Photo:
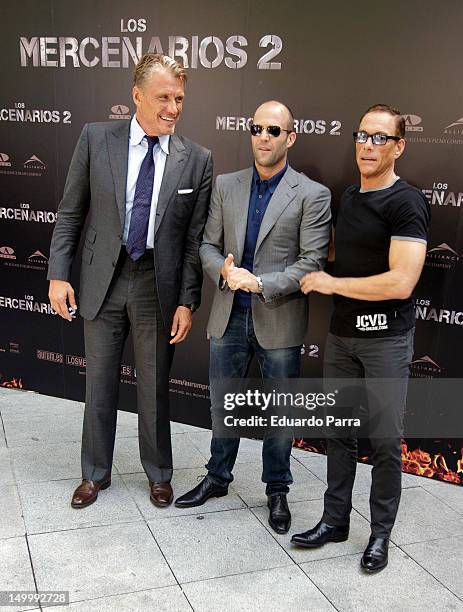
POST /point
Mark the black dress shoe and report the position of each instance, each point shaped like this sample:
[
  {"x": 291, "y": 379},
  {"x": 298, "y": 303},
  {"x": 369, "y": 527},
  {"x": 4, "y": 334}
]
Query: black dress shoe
[
  {"x": 280, "y": 516},
  {"x": 375, "y": 556},
  {"x": 320, "y": 535},
  {"x": 200, "y": 494}
]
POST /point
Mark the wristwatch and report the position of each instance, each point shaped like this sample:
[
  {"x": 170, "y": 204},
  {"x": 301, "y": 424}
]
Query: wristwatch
[
  {"x": 260, "y": 284},
  {"x": 193, "y": 306}
]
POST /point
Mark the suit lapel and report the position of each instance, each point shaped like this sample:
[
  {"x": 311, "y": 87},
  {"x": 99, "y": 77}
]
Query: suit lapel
[
  {"x": 241, "y": 196},
  {"x": 280, "y": 199},
  {"x": 175, "y": 165},
  {"x": 118, "y": 148}
]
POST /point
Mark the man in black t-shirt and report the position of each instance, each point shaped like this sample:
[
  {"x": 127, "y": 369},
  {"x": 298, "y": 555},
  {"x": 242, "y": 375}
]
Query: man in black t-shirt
[{"x": 380, "y": 245}]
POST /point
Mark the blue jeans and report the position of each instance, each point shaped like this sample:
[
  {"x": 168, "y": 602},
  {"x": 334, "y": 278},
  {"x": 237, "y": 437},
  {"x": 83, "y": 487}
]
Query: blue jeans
[{"x": 230, "y": 357}]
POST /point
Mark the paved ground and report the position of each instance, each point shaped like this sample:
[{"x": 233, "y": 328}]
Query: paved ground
[{"x": 124, "y": 554}]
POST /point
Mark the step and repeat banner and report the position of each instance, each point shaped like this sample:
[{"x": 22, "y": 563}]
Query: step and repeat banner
[{"x": 63, "y": 65}]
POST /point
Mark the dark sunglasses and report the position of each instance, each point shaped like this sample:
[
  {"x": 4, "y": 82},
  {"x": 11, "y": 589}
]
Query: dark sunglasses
[
  {"x": 376, "y": 139},
  {"x": 272, "y": 130}
]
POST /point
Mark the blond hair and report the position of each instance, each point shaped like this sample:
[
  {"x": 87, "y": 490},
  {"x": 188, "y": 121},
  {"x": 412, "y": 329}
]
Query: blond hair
[{"x": 152, "y": 62}]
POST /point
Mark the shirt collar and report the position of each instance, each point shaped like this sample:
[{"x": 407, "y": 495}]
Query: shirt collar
[
  {"x": 137, "y": 134},
  {"x": 272, "y": 183}
]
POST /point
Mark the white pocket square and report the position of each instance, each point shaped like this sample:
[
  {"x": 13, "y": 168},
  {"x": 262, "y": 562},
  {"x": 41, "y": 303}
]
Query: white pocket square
[{"x": 184, "y": 191}]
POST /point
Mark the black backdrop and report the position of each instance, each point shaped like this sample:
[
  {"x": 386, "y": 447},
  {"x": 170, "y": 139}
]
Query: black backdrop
[{"x": 64, "y": 64}]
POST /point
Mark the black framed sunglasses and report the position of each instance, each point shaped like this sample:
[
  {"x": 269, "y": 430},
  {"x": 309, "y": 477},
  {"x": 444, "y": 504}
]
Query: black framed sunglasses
[
  {"x": 376, "y": 139},
  {"x": 272, "y": 130}
]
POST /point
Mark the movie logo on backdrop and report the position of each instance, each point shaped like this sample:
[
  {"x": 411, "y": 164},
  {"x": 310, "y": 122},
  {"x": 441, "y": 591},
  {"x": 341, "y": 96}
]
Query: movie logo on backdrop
[
  {"x": 19, "y": 113},
  {"x": 25, "y": 213},
  {"x": 301, "y": 126},
  {"x": 425, "y": 311},
  {"x": 440, "y": 195},
  {"x": 26, "y": 303},
  {"x": 125, "y": 51}
]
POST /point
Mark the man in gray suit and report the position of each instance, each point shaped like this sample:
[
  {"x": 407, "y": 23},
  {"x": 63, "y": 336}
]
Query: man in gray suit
[
  {"x": 145, "y": 193},
  {"x": 267, "y": 227}
]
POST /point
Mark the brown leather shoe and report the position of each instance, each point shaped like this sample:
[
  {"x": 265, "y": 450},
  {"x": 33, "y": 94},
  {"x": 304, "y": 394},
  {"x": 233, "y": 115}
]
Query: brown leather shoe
[
  {"x": 87, "y": 492},
  {"x": 161, "y": 494}
]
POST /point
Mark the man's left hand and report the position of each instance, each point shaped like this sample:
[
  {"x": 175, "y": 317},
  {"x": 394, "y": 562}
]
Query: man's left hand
[
  {"x": 318, "y": 281},
  {"x": 240, "y": 278},
  {"x": 181, "y": 324}
]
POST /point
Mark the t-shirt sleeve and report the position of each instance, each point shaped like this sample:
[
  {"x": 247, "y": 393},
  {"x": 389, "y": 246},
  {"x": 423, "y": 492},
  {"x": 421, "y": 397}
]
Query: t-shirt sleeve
[{"x": 410, "y": 219}]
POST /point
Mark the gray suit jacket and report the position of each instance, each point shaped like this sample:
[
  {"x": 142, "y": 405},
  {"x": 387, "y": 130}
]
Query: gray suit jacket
[
  {"x": 96, "y": 186},
  {"x": 293, "y": 239}
]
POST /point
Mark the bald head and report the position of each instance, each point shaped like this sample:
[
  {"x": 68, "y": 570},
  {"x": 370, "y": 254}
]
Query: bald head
[{"x": 280, "y": 111}]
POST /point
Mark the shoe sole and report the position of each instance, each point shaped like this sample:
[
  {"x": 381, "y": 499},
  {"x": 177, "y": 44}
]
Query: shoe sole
[
  {"x": 92, "y": 501},
  {"x": 161, "y": 504},
  {"x": 276, "y": 530},
  {"x": 368, "y": 570},
  {"x": 308, "y": 545},
  {"x": 194, "y": 505}
]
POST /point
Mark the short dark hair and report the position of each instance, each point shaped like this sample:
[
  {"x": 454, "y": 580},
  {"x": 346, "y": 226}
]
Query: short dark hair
[{"x": 385, "y": 108}]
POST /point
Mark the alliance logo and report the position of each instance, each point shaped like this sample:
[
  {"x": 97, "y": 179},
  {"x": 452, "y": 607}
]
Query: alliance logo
[
  {"x": 120, "y": 111},
  {"x": 442, "y": 256},
  {"x": 412, "y": 123},
  {"x": 37, "y": 257},
  {"x": 4, "y": 160},
  {"x": 34, "y": 163},
  {"x": 425, "y": 367},
  {"x": 7, "y": 252},
  {"x": 455, "y": 128}
]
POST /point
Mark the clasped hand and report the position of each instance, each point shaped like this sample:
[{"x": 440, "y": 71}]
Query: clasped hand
[{"x": 238, "y": 278}]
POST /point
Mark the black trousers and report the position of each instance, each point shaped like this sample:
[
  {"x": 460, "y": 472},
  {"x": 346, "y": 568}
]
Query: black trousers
[
  {"x": 375, "y": 360},
  {"x": 130, "y": 304}
]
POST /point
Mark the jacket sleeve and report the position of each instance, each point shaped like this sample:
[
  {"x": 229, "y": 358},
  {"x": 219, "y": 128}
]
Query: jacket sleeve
[
  {"x": 192, "y": 274},
  {"x": 72, "y": 212},
  {"x": 314, "y": 236}
]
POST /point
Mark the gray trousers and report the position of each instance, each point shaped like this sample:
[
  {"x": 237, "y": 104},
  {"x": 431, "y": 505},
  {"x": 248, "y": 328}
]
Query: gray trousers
[
  {"x": 131, "y": 303},
  {"x": 372, "y": 359}
]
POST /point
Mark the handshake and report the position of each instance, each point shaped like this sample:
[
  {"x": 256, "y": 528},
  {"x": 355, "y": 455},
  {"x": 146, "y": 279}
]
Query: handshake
[{"x": 239, "y": 278}]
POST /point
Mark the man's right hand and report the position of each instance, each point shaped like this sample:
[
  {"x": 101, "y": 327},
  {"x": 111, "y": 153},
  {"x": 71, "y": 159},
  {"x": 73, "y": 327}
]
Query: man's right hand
[
  {"x": 61, "y": 294},
  {"x": 228, "y": 265}
]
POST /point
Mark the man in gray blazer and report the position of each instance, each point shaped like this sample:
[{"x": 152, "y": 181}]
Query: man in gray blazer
[
  {"x": 267, "y": 226},
  {"x": 145, "y": 194}
]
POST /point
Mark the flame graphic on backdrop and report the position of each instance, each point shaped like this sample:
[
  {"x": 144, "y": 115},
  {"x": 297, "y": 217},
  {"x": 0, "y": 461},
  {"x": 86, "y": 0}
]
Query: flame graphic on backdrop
[
  {"x": 14, "y": 383},
  {"x": 415, "y": 461}
]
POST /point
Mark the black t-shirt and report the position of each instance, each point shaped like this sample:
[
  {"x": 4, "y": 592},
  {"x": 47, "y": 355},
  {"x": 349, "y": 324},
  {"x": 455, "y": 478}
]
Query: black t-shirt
[{"x": 365, "y": 224}]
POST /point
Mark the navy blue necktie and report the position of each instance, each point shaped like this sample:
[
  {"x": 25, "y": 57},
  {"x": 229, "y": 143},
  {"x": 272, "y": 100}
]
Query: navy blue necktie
[{"x": 138, "y": 230}]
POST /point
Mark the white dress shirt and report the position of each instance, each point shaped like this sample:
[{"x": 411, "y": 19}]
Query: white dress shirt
[{"x": 137, "y": 152}]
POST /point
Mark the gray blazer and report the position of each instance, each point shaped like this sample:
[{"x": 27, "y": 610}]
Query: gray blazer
[
  {"x": 96, "y": 187},
  {"x": 293, "y": 239}
]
